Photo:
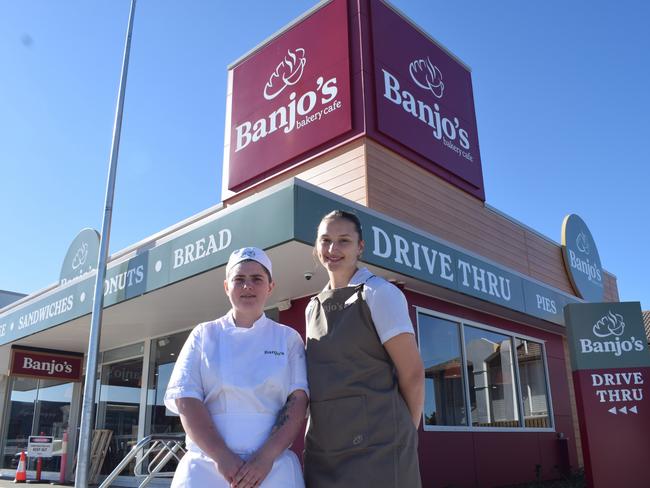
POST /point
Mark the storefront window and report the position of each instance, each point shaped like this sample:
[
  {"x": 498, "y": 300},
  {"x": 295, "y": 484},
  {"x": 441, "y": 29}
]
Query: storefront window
[
  {"x": 160, "y": 420},
  {"x": 490, "y": 369},
  {"x": 21, "y": 418},
  {"x": 52, "y": 413},
  {"x": 164, "y": 352},
  {"x": 36, "y": 407},
  {"x": 493, "y": 375},
  {"x": 532, "y": 384},
  {"x": 119, "y": 409},
  {"x": 444, "y": 388}
]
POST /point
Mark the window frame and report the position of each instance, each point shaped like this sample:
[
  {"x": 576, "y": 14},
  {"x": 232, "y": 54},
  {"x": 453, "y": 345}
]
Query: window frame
[{"x": 520, "y": 399}]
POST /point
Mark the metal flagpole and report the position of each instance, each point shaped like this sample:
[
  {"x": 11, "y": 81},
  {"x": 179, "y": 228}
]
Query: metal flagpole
[{"x": 85, "y": 436}]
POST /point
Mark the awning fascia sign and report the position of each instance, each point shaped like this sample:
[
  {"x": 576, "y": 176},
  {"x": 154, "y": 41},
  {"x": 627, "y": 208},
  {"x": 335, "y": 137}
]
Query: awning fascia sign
[
  {"x": 290, "y": 211},
  {"x": 195, "y": 250}
]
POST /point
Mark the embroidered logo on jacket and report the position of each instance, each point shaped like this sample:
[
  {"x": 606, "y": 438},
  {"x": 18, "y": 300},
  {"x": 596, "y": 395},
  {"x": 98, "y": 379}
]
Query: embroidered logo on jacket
[{"x": 274, "y": 353}]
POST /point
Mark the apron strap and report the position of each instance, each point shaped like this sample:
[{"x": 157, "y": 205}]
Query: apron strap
[{"x": 361, "y": 288}]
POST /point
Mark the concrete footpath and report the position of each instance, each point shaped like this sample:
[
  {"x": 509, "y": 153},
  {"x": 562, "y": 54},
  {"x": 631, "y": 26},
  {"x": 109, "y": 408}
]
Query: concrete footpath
[{"x": 6, "y": 483}]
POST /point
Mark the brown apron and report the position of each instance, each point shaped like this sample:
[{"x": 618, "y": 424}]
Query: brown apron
[{"x": 360, "y": 431}]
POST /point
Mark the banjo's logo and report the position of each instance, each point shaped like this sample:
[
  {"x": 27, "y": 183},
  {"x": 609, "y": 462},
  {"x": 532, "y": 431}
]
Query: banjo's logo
[
  {"x": 248, "y": 252},
  {"x": 446, "y": 128},
  {"x": 582, "y": 243},
  {"x": 610, "y": 324},
  {"x": 427, "y": 76},
  {"x": 312, "y": 105},
  {"x": 80, "y": 256},
  {"x": 287, "y": 73}
]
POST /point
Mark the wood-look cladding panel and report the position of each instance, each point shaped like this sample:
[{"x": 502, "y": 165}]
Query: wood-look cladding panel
[
  {"x": 425, "y": 203},
  {"x": 409, "y": 193},
  {"x": 546, "y": 263},
  {"x": 341, "y": 171},
  {"x": 441, "y": 199},
  {"x": 573, "y": 403},
  {"x": 446, "y": 228},
  {"x": 611, "y": 288}
]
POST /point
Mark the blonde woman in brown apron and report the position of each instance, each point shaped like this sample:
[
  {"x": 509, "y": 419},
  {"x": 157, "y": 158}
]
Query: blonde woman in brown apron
[{"x": 365, "y": 373}]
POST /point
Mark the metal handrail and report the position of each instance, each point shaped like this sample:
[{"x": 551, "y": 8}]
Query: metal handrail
[{"x": 165, "y": 447}]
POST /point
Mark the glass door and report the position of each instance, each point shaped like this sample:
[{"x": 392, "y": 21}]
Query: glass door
[
  {"x": 52, "y": 414},
  {"x": 118, "y": 409},
  {"x": 164, "y": 352},
  {"x": 20, "y": 419},
  {"x": 37, "y": 406},
  {"x": 163, "y": 356}
]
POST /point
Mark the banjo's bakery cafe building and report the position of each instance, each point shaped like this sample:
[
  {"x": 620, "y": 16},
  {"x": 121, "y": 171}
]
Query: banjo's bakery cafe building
[{"x": 370, "y": 115}]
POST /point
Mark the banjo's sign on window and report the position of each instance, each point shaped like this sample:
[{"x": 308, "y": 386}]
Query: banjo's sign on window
[
  {"x": 290, "y": 96},
  {"x": 46, "y": 364},
  {"x": 423, "y": 97},
  {"x": 611, "y": 374}
]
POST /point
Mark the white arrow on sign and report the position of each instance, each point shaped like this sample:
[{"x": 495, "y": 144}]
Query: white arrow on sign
[{"x": 623, "y": 410}]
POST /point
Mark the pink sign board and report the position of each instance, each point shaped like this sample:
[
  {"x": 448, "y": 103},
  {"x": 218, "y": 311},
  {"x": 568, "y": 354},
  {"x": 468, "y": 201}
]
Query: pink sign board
[
  {"x": 290, "y": 96},
  {"x": 424, "y": 99}
]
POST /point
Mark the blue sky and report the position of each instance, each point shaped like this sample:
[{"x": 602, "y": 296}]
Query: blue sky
[{"x": 560, "y": 90}]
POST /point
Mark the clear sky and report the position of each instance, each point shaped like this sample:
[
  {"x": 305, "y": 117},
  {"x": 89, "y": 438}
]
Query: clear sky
[{"x": 560, "y": 88}]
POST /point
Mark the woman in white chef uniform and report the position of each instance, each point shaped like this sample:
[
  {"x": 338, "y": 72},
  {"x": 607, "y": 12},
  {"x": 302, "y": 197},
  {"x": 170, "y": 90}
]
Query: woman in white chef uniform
[{"x": 240, "y": 388}]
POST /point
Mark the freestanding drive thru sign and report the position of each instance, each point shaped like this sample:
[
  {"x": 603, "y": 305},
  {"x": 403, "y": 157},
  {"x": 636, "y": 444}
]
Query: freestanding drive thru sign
[{"x": 611, "y": 371}]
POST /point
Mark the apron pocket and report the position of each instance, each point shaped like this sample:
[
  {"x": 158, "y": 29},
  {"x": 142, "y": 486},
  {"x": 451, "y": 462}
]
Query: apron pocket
[{"x": 338, "y": 425}]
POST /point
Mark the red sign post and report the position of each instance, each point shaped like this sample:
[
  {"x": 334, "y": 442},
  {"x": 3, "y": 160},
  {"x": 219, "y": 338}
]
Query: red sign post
[{"x": 611, "y": 375}]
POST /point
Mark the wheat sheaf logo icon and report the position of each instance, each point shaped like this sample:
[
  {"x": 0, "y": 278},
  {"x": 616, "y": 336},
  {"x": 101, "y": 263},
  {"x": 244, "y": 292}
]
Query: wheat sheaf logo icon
[
  {"x": 427, "y": 76},
  {"x": 249, "y": 252},
  {"x": 582, "y": 243},
  {"x": 610, "y": 324},
  {"x": 287, "y": 73},
  {"x": 80, "y": 256}
]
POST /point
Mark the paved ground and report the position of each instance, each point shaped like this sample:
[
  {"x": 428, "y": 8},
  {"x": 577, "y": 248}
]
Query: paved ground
[{"x": 6, "y": 483}]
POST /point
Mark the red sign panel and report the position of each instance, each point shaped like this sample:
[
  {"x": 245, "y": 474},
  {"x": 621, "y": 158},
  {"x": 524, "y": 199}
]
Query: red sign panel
[
  {"x": 291, "y": 96},
  {"x": 615, "y": 425},
  {"x": 424, "y": 98},
  {"x": 47, "y": 365}
]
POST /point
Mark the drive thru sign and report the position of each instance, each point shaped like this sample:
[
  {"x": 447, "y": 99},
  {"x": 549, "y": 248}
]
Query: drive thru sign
[
  {"x": 611, "y": 374},
  {"x": 40, "y": 446}
]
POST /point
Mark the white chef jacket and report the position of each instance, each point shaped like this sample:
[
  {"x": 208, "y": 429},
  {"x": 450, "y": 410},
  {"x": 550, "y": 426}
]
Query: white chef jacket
[{"x": 243, "y": 376}]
